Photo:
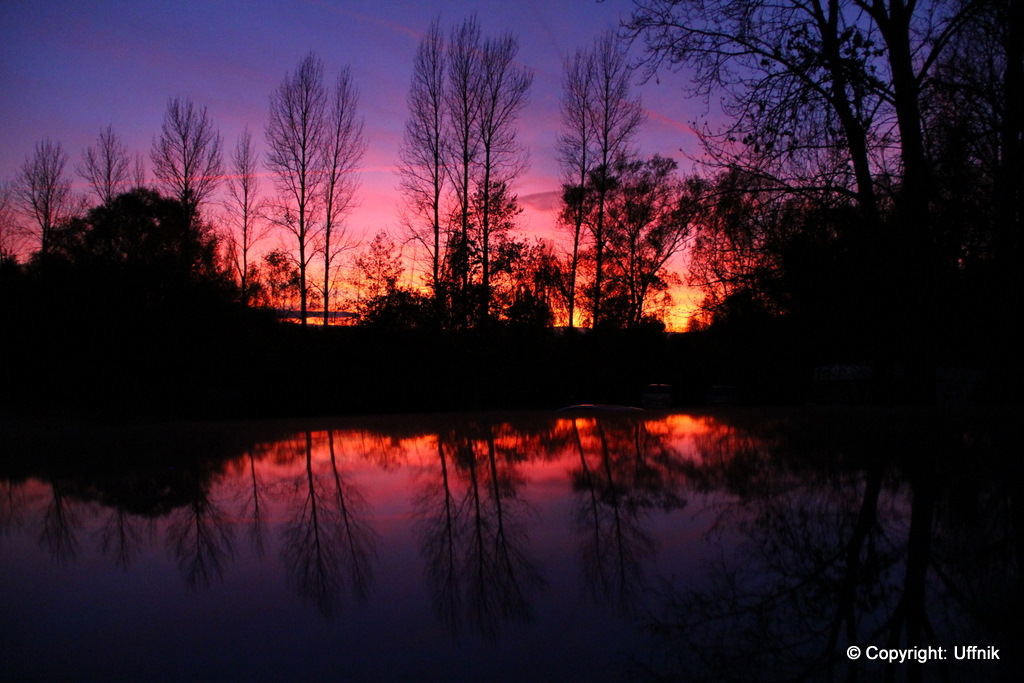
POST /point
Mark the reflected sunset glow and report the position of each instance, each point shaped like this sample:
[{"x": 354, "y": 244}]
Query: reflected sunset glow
[{"x": 499, "y": 543}]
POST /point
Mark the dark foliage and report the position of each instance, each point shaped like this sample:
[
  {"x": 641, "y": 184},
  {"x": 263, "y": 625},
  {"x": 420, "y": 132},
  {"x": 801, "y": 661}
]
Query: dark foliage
[
  {"x": 141, "y": 252},
  {"x": 129, "y": 309}
]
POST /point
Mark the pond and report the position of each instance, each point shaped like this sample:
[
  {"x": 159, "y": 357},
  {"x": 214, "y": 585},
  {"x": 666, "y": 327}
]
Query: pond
[{"x": 546, "y": 546}]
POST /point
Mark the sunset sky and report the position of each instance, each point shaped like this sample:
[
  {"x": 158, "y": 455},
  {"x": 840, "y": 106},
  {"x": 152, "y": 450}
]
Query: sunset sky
[{"x": 68, "y": 69}]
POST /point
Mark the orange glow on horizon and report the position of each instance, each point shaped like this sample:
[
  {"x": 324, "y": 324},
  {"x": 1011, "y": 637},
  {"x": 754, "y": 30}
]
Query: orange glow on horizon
[{"x": 547, "y": 441}]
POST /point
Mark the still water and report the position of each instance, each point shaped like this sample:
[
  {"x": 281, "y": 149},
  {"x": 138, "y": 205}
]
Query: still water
[{"x": 555, "y": 546}]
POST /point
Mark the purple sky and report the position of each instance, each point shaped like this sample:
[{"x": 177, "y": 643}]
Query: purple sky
[{"x": 68, "y": 69}]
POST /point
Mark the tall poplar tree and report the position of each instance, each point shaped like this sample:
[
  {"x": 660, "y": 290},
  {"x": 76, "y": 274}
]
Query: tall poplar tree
[
  {"x": 344, "y": 146},
  {"x": 615, "y": 115},
  {"x": 295, "y": 138},
  {"x": 504, "y": 89},
  {"x": 422, "y": 154}
]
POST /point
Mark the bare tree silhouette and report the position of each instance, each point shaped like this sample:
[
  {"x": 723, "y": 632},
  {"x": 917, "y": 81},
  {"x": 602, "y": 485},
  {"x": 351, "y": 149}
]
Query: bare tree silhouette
[
  {"x": 504, "y": 91},
  {"x": 187, "y": 155},
  {"x": 43, "y": 191},
  {"x": 244, "y": 207},
  {"x": 295, "y": 136},
  {"x": 575, "y": 155},
  {"x": 106, "y": 167},
  {"x": 422, "y": 154},
  {"x": 344, "y": 146},
  {"x": 614, "y": 115},
  {"x": 462, "y": 97}
]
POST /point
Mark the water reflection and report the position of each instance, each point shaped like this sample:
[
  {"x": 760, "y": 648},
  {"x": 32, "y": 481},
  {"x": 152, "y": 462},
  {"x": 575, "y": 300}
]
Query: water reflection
[
  {"x": 13, "y": 507},
  {"x": 61, "y": 524},
  {"x": 752, "y": 548},
  {"x": 473, "y": 532},
  {"x": 251, "y": 502},
  {"x": 121, "y": 534},
  {"x": 834, "y": 539},
  {"x": 327, "y": 543},
  {"x": 624, "y": 472},
  {"x": 200, "y": 536}
]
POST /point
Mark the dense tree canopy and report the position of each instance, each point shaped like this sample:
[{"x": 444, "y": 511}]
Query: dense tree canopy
[
  {"x": 147, "y": 249},
  {"x": 865, "y": 139}
]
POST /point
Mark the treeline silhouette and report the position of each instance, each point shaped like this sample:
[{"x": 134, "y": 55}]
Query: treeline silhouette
[
  {"x": 865, "y": 185},
  {"x": 130, "y": 312},
  {"x": 857, "y": 207}
]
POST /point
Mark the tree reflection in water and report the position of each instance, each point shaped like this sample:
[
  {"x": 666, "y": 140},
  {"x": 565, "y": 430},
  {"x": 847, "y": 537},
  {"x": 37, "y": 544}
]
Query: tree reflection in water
[
  {"x": 614, "y": 493},
  {"x": 442, "y": 529},
  {"x": 251, "y": 496},
  {"x": 13, "y": 506},
  {"x": 473, "y": 534},
  {"x": 200, "y": 536},
  {"x": 122, "y": 535},
  {"x": 838, "y": 539},
  {"x": 829, "y": 529},
  {"x": 327, "y": 542},
  {"x": 61, "y": 524}
]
